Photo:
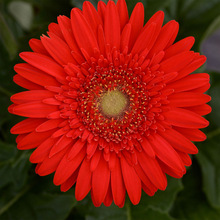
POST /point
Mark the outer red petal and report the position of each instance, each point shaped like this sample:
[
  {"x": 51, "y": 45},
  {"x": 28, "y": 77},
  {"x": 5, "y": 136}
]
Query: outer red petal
[
  {"x": 92, "y": 16},
  {"x": 67, "y": 167},
  {"x": 132, "y": 181},
  {"x": 123, "y": 12},
  {"x": 137, "y": 22},
  {"x": 185, "y": 118},
  {"x": 26, "y": 126},
  {"x": 117, "y": 184},
  {"x": 44, "y": 63},
  {"x": 58, "y": 49},
  {"x": 100, "y": 181},
  {"x": 83, "y": 33},
  {"x": 84, "y": 180},
  {"x": 179, "y": 142},
  {"x": 35, "y": 75},
  {"x": 112, "y": 25}
]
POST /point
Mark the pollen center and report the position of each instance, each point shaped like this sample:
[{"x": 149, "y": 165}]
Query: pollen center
[{"x": 113, "y": 103}]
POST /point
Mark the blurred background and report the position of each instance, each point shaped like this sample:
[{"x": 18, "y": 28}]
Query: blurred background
[{"x": 24, "y": 195}]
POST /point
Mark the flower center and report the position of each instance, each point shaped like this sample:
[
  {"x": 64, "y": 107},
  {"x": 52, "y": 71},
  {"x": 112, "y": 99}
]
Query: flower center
[{"x": 113, "y": 104}]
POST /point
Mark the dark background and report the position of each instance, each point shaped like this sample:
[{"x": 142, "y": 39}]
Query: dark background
[{"x": 24, "y": 195}]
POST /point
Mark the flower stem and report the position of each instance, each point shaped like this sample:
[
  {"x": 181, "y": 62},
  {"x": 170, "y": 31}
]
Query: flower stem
[
  {"x": 128, "y": 208},
  {"x": 14, "y": 200}
]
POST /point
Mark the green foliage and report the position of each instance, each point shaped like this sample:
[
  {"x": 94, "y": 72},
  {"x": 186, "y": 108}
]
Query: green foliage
[
  {"x": 24, "y": 195},
  {"x": 191, "y": 202},
  {"x": 209, "y": 161}
]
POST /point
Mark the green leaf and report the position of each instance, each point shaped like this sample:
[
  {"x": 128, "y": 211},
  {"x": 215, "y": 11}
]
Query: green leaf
[
  {"x": 115, "y": 213},
  {"x": 208, "y": 158},
  {"x": 152, "y": 214},
  {"x": 191, "y": 203},
  {"x": 162, "y": 200},
  {"x": 40, "y": 207},
  {"x": 7, "y": 37},
  {"x": 7, "y": 152},
  {"x": 194, "y": 16},
  {"x": 215, "y": 104}
]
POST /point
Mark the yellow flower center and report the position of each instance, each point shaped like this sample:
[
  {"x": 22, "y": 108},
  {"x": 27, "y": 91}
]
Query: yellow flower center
[{"x": 113, "y": 103}]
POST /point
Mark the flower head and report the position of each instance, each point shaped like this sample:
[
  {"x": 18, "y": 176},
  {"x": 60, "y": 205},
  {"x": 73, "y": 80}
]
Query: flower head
[{"x": 111, "y": 103}]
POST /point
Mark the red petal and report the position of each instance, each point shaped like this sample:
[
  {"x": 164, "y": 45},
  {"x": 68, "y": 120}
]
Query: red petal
[
  {"x": 190, "y": 82},
  {"x": 112, "y": 25},
  {"x": 84, "y": 181},
  {"x": 179, "y": 142},
  {"x": 92, "y": 16},
  {"x": 179, "y": 47},
  {"x": 186, "y": 99},
  {"x": 44, "y": 63},
  {"x": 117, "y": 184},
  {"x": 34, "y": 109},
  {"x": 48, "y": 125},
  {"x": 108, "y": 199},
  {"x": 177, "y": 62},
  {"x": 156, "y": 18},
  {"x": 173, "y": 38},
  {"x": 69, "y": 182},
  {"x": 49, "y": 165},
  {"x": 125, "y": 37},
  {"x": 170, "y": 171},
  {"x": 166, "y": 153},
  {"x": 123, "y": 13},
  {"x": 33, "y": 139},
  {"x": 75, "y": 149},
  {"x": 137, "y": 22},
  {"x": 194, "y": 65},
  {"x": 95, "y": 160},
  {"x": 100, "y": 181},
  {"x": 91, "y": 148},
  {"x": 192, "y": 134},
  {"x": 200, "y": 109},
  {"x": 201, "y": 89},
  {"x": 26, "y": 126},
  {"x": 153, "y": 171},
  {"x": 151, "y": 187},
  {"x": 42, "y": 151},
  {"x": 28, "y": 96},
  {"x": 185, "y": 118},
  {"x": 185, "y": 158},
  {"x": 54, "y": 28},
  {"x": 58, "y": 49},
  {"x": 35, "y": 75},
  {"x": 37, "y": 46},
  {"x": 67, "y": 167},
  {"x": 19, "y": 80},
  {"x": 132, "y": 181},
  {"x": 101, "y": 9},
  {"x": 147, "y": 190},
  {"x": 101, "y": 39},
  {"x": 144, "y": 39},
  {"x": 62, "y": 143},
  {"x": 83, "y": 33},
  {"x": 164, "y": 37},
  {"x": 66, "y": 28},
  {"x": 147, "y": 148}
]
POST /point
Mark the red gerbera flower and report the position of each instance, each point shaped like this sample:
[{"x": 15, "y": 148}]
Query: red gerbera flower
[{"x": 111, "y": 104}]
